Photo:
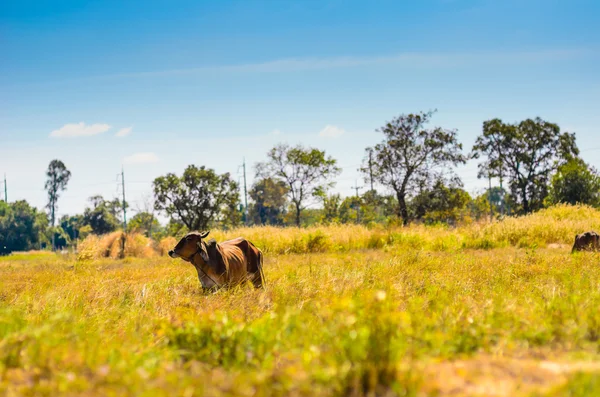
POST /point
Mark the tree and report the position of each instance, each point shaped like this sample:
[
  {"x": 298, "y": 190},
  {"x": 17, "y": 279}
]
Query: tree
[
  {"x": 441, "y": 203},
  {"x": 269, "y": 202},
  {"x": 71, "y": 225},
  {"x": 575, "y": 183},
  {"x": 349, "y": 209},
  {"x": 21, "y": 227},
  {"x": 331, "y": 208},
  {"x": 377, "y": 208},
  {"x": 115, "y": 207},
  {"x": 199, "y": 199},
  {"x": 144, "y": 222},
  {"x": 100, "y": 217},
  {"x": 527, "y": 153},
  {"x": 411, "y": 154},
  {"x": 67, "y": 232},
  {"x": 305, "y": 171},
  {"x": 58, "y": 177}
]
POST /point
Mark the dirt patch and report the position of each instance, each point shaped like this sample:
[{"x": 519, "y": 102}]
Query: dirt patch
[
  {"x": 499, "y": 377},
  {"x": 557, "y": 246}
]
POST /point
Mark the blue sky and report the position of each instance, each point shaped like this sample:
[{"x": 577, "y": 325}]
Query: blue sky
[{"x": 210, "y": 83}]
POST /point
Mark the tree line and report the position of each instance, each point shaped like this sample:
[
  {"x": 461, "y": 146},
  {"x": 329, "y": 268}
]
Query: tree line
[{"x": 535, "y": 163}]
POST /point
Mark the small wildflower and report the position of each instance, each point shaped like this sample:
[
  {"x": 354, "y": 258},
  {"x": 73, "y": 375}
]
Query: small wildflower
[{"x": 380, "y": 295}]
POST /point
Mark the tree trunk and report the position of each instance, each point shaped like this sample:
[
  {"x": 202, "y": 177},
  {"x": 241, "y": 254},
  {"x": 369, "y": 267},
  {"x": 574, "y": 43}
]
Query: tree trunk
[
  {"x": 501, "y": 197},
  {"x": 402, "y": 209},
  {"x": 297, "y": 215},
  {"x": 53, "y": 233},
  {"x": 525, "y": 201}
]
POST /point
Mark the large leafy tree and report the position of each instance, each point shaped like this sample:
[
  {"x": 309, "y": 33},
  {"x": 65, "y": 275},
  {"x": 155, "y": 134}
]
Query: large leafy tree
[
  {"x": 269, "y": 198},
  {"x": 575, "y": 183},
  {"x": 526, "y": 153},
  {"x": 57, "y": 179},
  {"x": 410, "y": 155},
  {"x": 21, "y": 227},
  {"x": 199, "y": 198},
  {"x": 307, "y": 172}
]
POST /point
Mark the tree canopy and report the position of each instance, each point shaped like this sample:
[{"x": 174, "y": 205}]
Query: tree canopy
[
  {"x": 411, "y": 155},
  {"x": 199, "y": 198},
  {"x": 57, "y": 179},
  {"x": 100, "y": 216},
  {"x": 305, "y": 171},
  {"x": 269, "y": 197},
  {"x": 575, "y": 183},
  {"x": 21, "y": 227},
  {"x": 526, "y": 153},
  {"x": 441, "y": 203}
]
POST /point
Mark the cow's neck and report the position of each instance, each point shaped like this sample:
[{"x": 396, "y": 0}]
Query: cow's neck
[{"x": 206, "y": 280}]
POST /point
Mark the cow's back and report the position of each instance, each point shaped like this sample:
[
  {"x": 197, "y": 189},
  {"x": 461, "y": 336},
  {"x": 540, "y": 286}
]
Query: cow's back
[
  {"x": 251, "y": 254},
  {"x": 587, "y": 241},
  {"x": 235, "y": 260}
]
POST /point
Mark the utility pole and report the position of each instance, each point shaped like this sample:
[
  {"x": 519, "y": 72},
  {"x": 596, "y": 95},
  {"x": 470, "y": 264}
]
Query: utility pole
[
  {"x": 356, "y": 187},
  {"x": 490, "y": 197},
  {"x": 5, "y": 190},
  {"x": 124, "y": 203},
  {"x": 371, "y": 168},
  {"x": 501, "y": 196},
  {"x": 245, "y": 194}
]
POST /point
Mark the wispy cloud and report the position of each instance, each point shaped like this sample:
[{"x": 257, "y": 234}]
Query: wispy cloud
[
  {"x": 276, "y": 132},
  {"x": 124, "y": 132},
  {"x": 412, "y": 60},
  {"x": 331, "y": 131},
  {"x": 141, "y": 158},
  {"x": 409, "y": 59},
  {"x": 79, "y": 129}
]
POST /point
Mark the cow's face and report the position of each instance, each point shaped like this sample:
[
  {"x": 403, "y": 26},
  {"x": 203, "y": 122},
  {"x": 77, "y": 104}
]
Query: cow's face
[{"x": 188, "y": 246}]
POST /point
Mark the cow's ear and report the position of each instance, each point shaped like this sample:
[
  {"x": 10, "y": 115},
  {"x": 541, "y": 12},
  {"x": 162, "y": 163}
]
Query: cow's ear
[{"x": 204, "y": 234}]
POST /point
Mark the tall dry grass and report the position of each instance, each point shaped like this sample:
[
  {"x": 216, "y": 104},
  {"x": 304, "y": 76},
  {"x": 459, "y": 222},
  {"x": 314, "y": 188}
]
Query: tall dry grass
[
  {"x": 111, "y": 246},
  {"x": 558, "y": 224},
  {"x": 360, "y": 323}
]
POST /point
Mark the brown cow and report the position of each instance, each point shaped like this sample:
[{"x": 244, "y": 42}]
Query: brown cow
[
  {"x": 228, "y": 263},
  {"x": 588, "y": 241}
]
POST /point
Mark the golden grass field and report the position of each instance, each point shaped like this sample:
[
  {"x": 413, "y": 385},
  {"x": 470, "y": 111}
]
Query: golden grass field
[{"x": 501, "y": 309}]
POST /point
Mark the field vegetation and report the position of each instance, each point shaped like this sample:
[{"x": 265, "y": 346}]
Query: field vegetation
[{"x": 498, "y": 309}]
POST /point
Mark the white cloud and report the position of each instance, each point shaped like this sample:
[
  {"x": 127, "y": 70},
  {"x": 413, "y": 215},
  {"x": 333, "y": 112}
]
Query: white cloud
[
  {"x": 276, "y": 132},
  {"x": 141, "y": 158},
  {"x": 331, "y": 131},
  {"x": 124, "y": 132},
  {"x": 79, "y": 129}
]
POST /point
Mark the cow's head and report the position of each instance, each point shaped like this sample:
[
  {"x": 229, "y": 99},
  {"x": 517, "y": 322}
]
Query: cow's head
[
  {"x": 193, "y": 250},
  {"x": 189, "y": 246}
]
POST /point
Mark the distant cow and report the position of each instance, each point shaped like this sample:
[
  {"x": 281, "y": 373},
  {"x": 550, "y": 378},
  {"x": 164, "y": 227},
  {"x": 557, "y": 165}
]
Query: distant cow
[
  {"x": 588, "y": 241},
  {"x": 223, "y": 264}
]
